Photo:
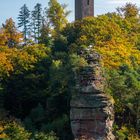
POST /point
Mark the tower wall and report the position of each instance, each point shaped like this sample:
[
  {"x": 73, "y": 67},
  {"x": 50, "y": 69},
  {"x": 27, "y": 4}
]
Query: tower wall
[
  {"x": 78, "y": 9},
  {"x": 84, "y": 8}
]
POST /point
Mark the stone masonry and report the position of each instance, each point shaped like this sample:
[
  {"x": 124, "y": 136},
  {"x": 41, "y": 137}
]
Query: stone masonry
[
  {"x": 91, "y": 110},
  {"x": 84, "y": 8}
]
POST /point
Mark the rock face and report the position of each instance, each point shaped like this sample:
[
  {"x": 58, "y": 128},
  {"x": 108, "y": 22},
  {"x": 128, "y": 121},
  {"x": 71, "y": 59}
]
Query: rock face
[{"x": 91, "y": 111}]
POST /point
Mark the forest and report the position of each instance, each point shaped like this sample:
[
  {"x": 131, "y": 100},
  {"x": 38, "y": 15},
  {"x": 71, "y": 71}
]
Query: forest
[{"x": 38, "y": 60}]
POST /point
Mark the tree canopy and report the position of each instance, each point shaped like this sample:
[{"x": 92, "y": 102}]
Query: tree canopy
[{"x": 37, "y": 76}]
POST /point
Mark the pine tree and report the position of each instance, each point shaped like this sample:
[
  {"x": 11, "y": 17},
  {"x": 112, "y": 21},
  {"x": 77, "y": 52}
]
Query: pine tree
[
  {"x": 33, "y": 25},
  {"x": 37, "y": 21},
  {"x": 24, "y": 21},
  {"x": 45, "y": 37}
]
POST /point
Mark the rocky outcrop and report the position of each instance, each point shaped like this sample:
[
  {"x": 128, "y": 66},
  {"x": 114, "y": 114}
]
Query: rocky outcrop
[{"x": 91, "y": 110}]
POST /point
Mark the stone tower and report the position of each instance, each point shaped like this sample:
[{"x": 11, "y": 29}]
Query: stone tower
[{"x": 84, "y": 8}]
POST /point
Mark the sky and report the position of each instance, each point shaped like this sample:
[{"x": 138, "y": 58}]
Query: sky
[{"x": 10, "y": 8}]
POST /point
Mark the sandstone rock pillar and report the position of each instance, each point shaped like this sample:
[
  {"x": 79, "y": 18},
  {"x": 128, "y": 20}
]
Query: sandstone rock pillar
[{"x": 91, "y": 111}]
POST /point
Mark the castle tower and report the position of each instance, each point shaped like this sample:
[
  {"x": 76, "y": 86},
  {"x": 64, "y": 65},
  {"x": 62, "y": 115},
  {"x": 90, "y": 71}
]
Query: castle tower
[{"x": 84, "y": 8}]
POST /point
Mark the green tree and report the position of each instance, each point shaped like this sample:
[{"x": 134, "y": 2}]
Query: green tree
[
  {"x": 23, "y": 20},
  {"x": 57, "y": 16},
  {"x": 35, "y": 119},
  {"x": 45, "y": 32},
  {"x": 27, "y": 64},
  {"x": 15, "y": 131},
  {"x": 43, "y": 136},
  {"x": 37, "y": 21}
]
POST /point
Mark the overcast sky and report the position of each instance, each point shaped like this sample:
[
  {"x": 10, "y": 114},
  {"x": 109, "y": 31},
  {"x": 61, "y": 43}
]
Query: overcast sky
[{"x": 10, "y": 8}]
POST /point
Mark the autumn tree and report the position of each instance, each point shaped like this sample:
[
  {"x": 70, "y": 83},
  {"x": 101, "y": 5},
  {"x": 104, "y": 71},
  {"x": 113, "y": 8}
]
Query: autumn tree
[
  {"x": 10, "y": 36},
  {"x": 23, "y": 20},
  {"x": 129, "y": 11}
]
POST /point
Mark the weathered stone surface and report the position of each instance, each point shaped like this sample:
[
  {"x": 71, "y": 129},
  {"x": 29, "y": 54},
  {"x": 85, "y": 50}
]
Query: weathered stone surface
[
  {"x": 84, "y": 8},
  {"x": 91, "y": 111},
  {"x": 90, "y": 101},
  {"x": 94, "y": 87},
  {"x": 88, "y": 114}
]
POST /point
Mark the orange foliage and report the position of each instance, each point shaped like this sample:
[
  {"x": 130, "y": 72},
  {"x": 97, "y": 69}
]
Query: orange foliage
[
  {"x": 20, "y": 60},
  {"x": 9, "y": 35}
]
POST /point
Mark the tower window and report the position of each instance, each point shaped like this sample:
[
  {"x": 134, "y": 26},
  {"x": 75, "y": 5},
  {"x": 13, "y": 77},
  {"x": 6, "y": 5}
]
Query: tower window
[{"x": 87, "y": 2}]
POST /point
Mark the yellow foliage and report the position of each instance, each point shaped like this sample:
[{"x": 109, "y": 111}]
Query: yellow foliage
[
  {"x": 2, "y": 135},
  {"x": 5, "y": 64},
  {"x": 116, "y": 55},
  {"x": 112, "y": 36},
  {"x": 19, "y": 60},
  {"x": 9, "y": 35}
]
